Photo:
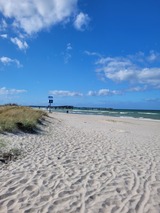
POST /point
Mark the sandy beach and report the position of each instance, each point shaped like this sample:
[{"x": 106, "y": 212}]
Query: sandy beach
[{"x": 86, "y": 164}]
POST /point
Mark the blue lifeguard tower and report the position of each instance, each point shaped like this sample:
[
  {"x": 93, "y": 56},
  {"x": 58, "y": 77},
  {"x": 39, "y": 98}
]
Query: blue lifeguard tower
[{"x": 50, "y": 101}]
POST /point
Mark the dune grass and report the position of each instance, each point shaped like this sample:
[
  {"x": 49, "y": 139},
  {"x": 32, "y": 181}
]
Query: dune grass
[{"x": 15, "y": 118}]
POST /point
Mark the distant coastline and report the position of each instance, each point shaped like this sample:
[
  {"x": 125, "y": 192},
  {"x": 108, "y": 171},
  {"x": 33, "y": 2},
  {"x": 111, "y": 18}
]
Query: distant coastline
[{"x": 72, "y": 107}]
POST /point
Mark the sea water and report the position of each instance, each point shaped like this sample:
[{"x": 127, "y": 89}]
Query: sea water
[{"x": 144, "y": 114}]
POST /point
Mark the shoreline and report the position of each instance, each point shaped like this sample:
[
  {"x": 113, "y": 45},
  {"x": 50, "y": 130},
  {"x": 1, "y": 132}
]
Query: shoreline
[
  {"x": 84, "y": 163},
  {"x": 116, "y": 113},
  {"x": 107, "y": 116},
  {"x": 135, "y": 113}
]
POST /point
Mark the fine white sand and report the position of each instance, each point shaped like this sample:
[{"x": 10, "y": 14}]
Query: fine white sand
[{"x": 84, "y": 163}]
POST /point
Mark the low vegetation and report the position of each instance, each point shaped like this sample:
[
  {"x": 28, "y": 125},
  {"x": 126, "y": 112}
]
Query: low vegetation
[{"x": 19, "y": 118}]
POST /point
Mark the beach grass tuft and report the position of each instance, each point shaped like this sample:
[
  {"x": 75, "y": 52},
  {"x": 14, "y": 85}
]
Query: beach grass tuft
[{"x": 14, "y": 118}]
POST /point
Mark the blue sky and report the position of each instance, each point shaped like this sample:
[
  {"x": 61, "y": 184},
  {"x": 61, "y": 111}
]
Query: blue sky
[{"x": 83, "y": 52}]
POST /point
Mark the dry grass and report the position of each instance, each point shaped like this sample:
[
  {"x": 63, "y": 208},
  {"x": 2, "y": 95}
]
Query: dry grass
[{"x": 15, "y": 118}]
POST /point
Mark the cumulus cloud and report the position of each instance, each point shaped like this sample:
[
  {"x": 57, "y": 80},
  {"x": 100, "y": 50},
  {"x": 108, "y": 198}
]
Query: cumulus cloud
[
  {"x": 35, "y": 15},
  {"x": 7, "y": 61},
  {"x": 5, "y": 91},
  {"x": 22, "y": 45},
  {"x": 65, "y": 93},
  {"x": 130, "y": 69},
  {"x": 81, "y": 22},
  {"x": 104, "y": 92}
]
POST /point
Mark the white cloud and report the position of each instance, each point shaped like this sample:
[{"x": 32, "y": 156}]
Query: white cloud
[
  {"x": 101, "y": 92},
  {"x": 65, "y": 93},
  {"x": 22, "y": 45},
  {"x": 81, "y": 22},
  {"x": 92, "y": 93},
  {"x": 104, "y": 92},
  {"x": 137, "y": 89},
  {"x": 33, "y": 16},
  {"x": 149, "y": 76},
  {"x": 5, "y": 91},
  {"x": 7, "y": 61},
  {"x": 69, "y": 47},
  {"x": 3, "y": 24},
  {"x": 92, "y": 53},
  {"x": 4, "y": 36},
  {"x": 130, "y": 69},
  {"x": 141, "y": 57},
  {"x": 67, "y": 53},
  {"x": 153, "y": 56}
]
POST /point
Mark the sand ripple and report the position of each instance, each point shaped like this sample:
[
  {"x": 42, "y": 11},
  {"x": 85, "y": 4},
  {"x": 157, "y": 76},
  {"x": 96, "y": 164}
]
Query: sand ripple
[{"x": 85, "y": 164}]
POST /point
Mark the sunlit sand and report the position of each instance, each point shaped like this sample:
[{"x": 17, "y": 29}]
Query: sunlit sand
[{"x": 81, "y": 163}]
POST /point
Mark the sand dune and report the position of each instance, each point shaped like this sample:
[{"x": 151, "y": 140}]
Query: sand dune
[{"x": 86, "y": 164}]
